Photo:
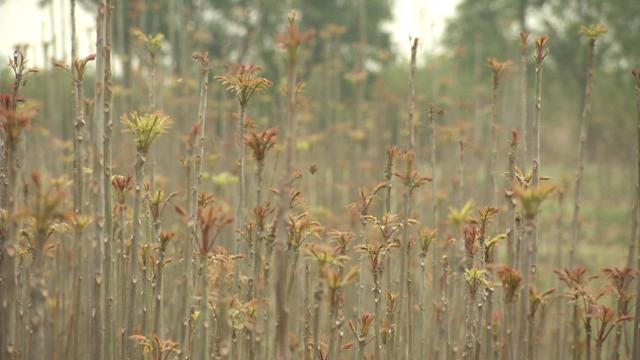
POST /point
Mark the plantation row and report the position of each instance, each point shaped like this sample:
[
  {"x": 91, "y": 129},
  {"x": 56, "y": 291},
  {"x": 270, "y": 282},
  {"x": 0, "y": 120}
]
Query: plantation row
[{"x": 189, "y": 235}]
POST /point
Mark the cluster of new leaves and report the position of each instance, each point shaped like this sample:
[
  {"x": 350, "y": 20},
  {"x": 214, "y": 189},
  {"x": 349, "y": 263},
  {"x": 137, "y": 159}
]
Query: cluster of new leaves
[
  {"x": 243, "y": 315},
  {"x": 475, "y": 279},
  {"x": 160, "y": 347},
  {"x": 497, "y": 69},
  {"x": 157, "y": 202},
  {"x": 366, "y": 198},
  {"x": 376, "y": 251},
  {"x": 475, "y": 232},
  {"x": 299, "y": 228},
  {"x": 45, "y": 210},
  {"x": 541, "y": 48},
  {"x": 293, "y": 38},
  {"x": 537, "y": 298},
  {"x": 426, "y": 236},
  {"x": 145, "y": 127},
  {"x": 211, "y": 220},
  {"x": 410, "y": 178},
  {"x": 510, "y": 279},
  {"x": 122, "y": 186},
  {"x": 325, "y": 256},
  {"x": 261, "y": 142},
  {"x": 152, "y": 43},
  {"x": 241, "y": 80},
  {"x": 461, "y": 216},
  {"x": 13, "y": 119},
  {"x": 531, "y": 198},
  {"x": 361, "y": 329},
  {"x": 592, "y": 32}
]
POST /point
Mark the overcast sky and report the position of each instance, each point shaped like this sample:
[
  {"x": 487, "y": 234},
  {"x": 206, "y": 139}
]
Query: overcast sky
[{"x": 22, "y": 21}]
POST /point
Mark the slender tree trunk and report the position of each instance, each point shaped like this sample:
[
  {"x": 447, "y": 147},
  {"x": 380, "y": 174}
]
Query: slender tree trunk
[
  {"x": 636, "y": 320},
  {"x": 147, "y": 276},
  {"x": 104, "y": 117},
  {"x": 78, "y": 178},
  {"x": 615, "y": 353},
  {"x": 526, "y": 338},
  {"x": 99, "y": 193},
  {"x": 267, "y": 295},
  {"x": 184, "y": 310},
  {"x": 412, "y": 91},
  {"x": 361, "y": 276},
  {"x": 388, "y": 174},
  {"x": 634, "y": 228},
  {"x": 158, "y": 288},
  {"x": 530, "y": 337},
  {"x": 468, "y": 324},
  {"x": 422, "y": 320},
  {"x": 511, "y": 204},
  {"x": 152, "y": 108},
  {"x": 333, "y": 323},
  {"x": 38, "y": 298},
  {"x": 599, "y": 349},
  {"x": 435, "y": 340},
  {"x": 523, "y": 307},
  {"x": 509, "y": 345},
  {"x": 125, "y": 13},
  {"x": 540, "y": 56},
  {"x": 445, "y": 329},
  {"x": 494, "y": 142},
  {"x": 588, "y": 336},
  {"x": 575, "y": 349},
  {"x": 199, "y": 156},
  {"x": 9, "y": 241},
  {"x": 561, "y": 341},
  {"x": 317, "y": 308},
  {"x": 405, "y": 254},
  {"x": 241, "y": 187},
  {"x": 308, "y": 341},
  {"x": 223, "y": 326},
  {"x": 257, "y": 246},
  {"x": 204, "y": 306},
  {"x": 488, "y": 336},
  {"x": 134, "y": 271},
  {"x": 282, "y": 310},
  {"x": 377, "y": 291},
  {"x": 582, "y": 133},
  {"x": 121, "y": 274},
  {"x": 362, "y": 51},
  {"x": 523, "y": 96}
]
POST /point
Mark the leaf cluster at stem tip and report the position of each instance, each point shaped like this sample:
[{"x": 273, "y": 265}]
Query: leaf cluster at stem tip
[{"x": 145, "y": 127}]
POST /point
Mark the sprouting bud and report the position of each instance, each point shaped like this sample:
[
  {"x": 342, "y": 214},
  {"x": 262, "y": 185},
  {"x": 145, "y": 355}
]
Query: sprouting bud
[
  {"x": 261, "y": 142},
  {"x": 165, "y": 238},
  {"x": 594, "y": 31},
  {"x": 541, "y": 48},
  {"x": 426, "y": 237},
  {"x": 145, "y": 127},
  {"x": 510, "y": 279},
  {"x": 152, "y": 43},
  {"x": 475, "y": 278},
  {"x": 80, "y": 64},
  {"x": 122, "y": 185},
  {"x": 241, "y": 80},
  {"x": 497, "y": 69},
  {"x": 532, "y": 197},
  {"x": 524, "y": 39},
  {"x": 291, "y": 17}
]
